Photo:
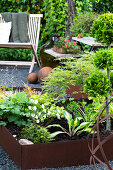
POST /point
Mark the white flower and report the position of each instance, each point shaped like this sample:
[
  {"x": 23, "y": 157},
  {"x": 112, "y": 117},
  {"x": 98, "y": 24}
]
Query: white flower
[
  {"x": 32, "y": 100},
  {"x": 39, "y": 113},
  {"x": 58, "y": 116},
  {"x": 42, "y": 106},
  {"x": 49, "y": 112},
  {"x": 34, "y": 108},
  {"x": 36, "y": 101},
  {"x": 33, "y": 115},
  {"x": 44, "y": 110},
  {"x": 29, "y": 107},
  {"x": 44, "y": 116},
  {"x": 36, "y": 117},
  {"x": 58, "y": 111},
  {"x": 37, "y": 121}
]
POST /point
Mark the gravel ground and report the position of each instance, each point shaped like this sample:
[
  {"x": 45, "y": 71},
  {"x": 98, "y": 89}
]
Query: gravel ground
[{"x": 16, "y": 76}]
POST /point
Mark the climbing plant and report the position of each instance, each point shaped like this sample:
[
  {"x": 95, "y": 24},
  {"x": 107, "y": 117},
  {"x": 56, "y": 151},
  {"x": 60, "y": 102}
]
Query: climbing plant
[
  {"x": 55, "y": 16},
  {"x": 30, "y": 6}
]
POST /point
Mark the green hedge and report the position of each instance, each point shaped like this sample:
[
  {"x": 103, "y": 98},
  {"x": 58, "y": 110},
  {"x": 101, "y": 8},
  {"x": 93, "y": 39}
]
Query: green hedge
[{"x": 16, "y": 54}]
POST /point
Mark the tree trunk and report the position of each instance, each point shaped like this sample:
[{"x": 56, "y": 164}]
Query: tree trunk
[
  {"x": 70, "y": 14},
  {"x": 108, "y": 122}
]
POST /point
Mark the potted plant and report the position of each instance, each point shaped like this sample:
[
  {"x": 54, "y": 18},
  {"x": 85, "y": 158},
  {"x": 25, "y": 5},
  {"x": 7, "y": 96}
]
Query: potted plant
[{"x": 66, "y": 46}]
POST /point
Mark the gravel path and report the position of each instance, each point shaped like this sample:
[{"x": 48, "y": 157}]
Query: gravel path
[{"x": 16, "y": 76}]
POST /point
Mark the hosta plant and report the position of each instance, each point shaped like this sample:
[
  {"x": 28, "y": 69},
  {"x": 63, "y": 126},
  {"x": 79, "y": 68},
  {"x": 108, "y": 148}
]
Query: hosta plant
[{"x": 76, "y": 125}]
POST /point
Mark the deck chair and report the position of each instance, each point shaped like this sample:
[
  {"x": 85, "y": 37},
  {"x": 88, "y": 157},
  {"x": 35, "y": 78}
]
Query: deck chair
[{"x": 33, "y": 33}]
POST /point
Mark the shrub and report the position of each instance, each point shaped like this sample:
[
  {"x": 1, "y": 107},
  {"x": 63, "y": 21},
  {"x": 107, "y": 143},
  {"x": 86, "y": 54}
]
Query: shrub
[
  {"x": 102, "y": 28},
  {"x": 36, "y": 134},
  {"x": 16, "y": 54},
  {"x": 82, "y": 23},
  {"x": 103, "y": 58},
  {"x": 97, "y": 84}
]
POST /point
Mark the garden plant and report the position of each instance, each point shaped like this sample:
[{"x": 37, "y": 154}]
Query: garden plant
[
  {"x": 69, "y": 45},
  {"x": 102, "y": 30}
]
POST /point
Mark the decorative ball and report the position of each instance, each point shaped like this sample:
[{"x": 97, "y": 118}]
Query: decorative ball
[
  {"x": 79, "y": 36},
  {"x": 43, "y": 73},
  {"x": 32, "y": 78}
]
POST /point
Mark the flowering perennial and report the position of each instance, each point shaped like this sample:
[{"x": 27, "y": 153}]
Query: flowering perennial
[{"x": 69, "y": 45}]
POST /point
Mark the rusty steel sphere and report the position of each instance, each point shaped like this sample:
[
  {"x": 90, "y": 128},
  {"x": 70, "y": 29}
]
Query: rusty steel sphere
[
  {"x": 43, "y": 73},
  {"x": 32, "y": 78}
]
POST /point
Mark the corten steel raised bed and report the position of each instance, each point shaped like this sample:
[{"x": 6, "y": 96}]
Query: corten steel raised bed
[
  {"x": 75, "y": 91},
  {"x": 50, "y": 155}
]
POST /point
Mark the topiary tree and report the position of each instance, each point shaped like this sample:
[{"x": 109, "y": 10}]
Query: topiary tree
[
  {"x": 97, "y": 84},
  {"x": 104, "y": 59},
  {"x": 102, "y": 30}
]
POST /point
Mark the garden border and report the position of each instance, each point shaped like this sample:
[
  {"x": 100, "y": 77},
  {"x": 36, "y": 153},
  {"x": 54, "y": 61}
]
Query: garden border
[{"x": 50, "y": 155}]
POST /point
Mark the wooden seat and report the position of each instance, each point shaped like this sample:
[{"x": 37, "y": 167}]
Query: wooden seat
[{"x": 33, "y": 33}]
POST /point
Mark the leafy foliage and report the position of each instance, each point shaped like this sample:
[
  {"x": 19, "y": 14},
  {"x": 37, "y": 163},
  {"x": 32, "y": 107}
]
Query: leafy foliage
[
  {"x": 55, "y": 18},
  {"x": 15, "y": 109},
  {"x": 104, "y": 58},
  {"x": 76, "y": 125},
  {"x": 43, "y": 107},
  {"x": 87, "y": 111},
  {"x": 97, "y": 84},
  {"x": 70, "y": 72},
  {"x": 33, "y": 6},
  {"x": 36, "y": 134},
  {"x": 102, "y": 6},
  {"x": 83, "y": 22},
  {"x": 15, "y": 54},
  {"x": 102, "y": 28}
]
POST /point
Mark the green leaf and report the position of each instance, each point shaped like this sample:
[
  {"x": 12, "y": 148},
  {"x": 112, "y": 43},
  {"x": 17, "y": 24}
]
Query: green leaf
[
  {"x": 12, "y": 118},
  {"x": 69, "y": 118},
  {"x": 1, "y": 113},
  {"x": 56, "y": 133},
  {"x": 81, "y": 126},
  {"x": 56, "y": 125},
  {"x": 3, "y": 123}
]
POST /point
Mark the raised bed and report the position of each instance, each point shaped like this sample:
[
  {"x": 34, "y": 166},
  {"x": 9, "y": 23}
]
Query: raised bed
[{"x": 50, "y": 155}]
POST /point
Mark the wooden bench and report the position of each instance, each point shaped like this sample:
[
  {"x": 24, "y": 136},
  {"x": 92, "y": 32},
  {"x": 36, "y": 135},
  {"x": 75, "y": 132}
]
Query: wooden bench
[{"x": 33, "y": 33}]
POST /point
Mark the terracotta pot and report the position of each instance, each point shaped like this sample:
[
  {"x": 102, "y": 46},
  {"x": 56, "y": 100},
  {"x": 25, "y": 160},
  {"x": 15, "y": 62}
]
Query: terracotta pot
[{"x": 59, "y": 50}]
